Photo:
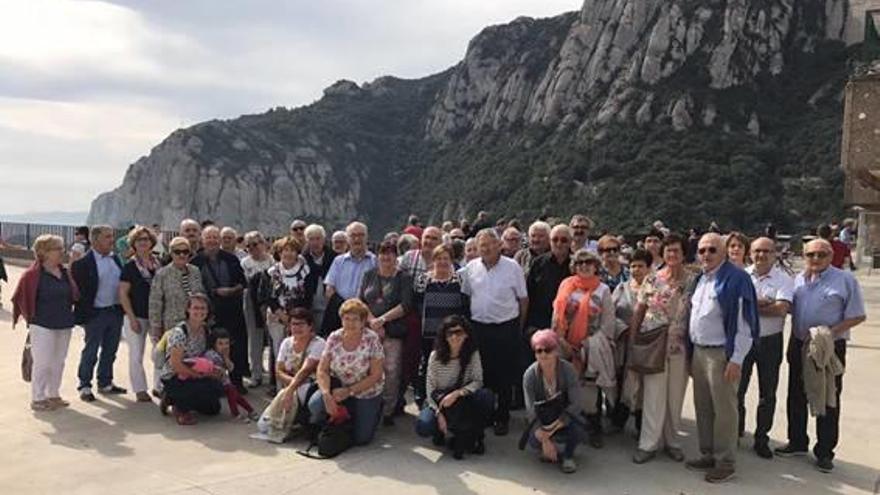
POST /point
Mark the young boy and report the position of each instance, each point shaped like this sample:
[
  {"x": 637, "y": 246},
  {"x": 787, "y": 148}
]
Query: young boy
[{"x": 219, "y": 355}]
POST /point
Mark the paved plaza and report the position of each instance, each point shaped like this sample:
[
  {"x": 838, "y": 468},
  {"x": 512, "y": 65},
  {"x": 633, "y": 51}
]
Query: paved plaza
[{"x": 118, "y": 446}]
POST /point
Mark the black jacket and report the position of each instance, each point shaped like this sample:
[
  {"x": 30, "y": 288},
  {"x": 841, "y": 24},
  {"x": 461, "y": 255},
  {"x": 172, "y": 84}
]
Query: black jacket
[{"x": 85, "y": 273}]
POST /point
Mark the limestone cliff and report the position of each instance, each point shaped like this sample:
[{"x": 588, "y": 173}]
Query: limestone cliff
[{"x": 556, "y": 114}]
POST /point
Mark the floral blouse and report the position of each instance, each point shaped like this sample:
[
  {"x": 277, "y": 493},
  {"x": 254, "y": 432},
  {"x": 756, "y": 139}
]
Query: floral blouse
[
  {"x": 193, "y": 346},
  {"x": 664, "y": 301},
  {"x": 353, "y": 366}
]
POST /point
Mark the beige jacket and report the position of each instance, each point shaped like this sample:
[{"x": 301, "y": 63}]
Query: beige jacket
[
  {"x": 168, "y": 298},
  {"x": 820, "y": 368}
]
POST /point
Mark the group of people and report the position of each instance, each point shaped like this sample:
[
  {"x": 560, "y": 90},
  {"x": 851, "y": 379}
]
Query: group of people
[{"x": 584, "y": 334}]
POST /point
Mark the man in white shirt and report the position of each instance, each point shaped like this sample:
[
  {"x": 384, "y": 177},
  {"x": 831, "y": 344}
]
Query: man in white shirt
[
  {"x": 774, "y": 289},
  {"x": 499, "y": 304},
  {"x": 723, "y": 320}
]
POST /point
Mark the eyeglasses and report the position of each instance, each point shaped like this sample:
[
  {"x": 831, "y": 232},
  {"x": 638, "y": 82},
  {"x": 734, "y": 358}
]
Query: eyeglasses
[
  {"x": 457, "y": 238},
  {"x": 542, "y": 350},
  {"x": 609, "y": 250},
  {"x": 561, "y": 240},
  {"x": 761, "y": 251},
  {"x": 298, "y": 229},
  {"x": 710, "y": 250},
  {"x": 817, "y": 254},
  {"x": 178, "y": 252},
  {"x": 298, "y": 323}
]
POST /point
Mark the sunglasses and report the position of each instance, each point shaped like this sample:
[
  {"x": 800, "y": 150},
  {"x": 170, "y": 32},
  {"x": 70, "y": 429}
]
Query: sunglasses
[
  {"x": 583, "y": 262},
  {"x": 609, "y": 250},
  {"x": 457, "y": 237},
  {"x": 817, "y": 254},
  {"x": 297, "y": 229},
  {"x": 542, "y": 350},
  {"x": 710, "y": 250},
  {"x": 178, "y": 252}
]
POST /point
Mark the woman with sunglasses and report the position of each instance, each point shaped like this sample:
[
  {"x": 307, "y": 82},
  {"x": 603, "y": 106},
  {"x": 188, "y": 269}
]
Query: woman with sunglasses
[
  {"x": 613, "y": 272},
  {"x": 661, "y": 304},
  {"x": 170, "y": 290},
  {"x": 134, "y": 296},
  {"x": 554, "y": 402},
  {"x": 454, "y": 373},
  {"x": 254, "y": 265},
  {"x": 583, "y": 318}
]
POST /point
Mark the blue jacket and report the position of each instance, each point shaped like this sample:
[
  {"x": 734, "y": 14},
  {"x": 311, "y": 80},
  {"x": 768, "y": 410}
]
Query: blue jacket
[{"x": 731, "y": 284}]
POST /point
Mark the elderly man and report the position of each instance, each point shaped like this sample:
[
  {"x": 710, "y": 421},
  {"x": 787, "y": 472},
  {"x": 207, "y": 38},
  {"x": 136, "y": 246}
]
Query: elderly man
[
  {"x": 319, "y": 256},
  {"x": 229, "y": 243},
  {"x": 511, "y": 242},
  {"x": 418, "y": 261},
  {"x": 457, "y": 233},
  {"x": 98, "y": 311},
  {"x": 539, "y": 243},
  {"x": 339, "y": 242},
  {"x": 774, "y": 289},
  {"x": 580, "y": 228},
  {"x": 192, "y": 231},
  {"x": 499, "y": 305},
  {"x": 823, "y": 296},
  {"x": 547, "y": 272},
  {"x": 224, "y": 281},
  {"x": 344, "y": 277},
  {"x": 723, "y": 322},
  {"x": 298, "y": 231}
]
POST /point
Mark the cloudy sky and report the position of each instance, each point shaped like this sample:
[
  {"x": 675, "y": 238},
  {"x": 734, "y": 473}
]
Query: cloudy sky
[{"x": 87, "y": 87}]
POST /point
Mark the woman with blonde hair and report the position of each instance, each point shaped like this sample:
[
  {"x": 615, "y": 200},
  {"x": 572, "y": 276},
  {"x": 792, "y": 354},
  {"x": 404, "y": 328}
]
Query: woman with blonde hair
[
  {"x": 44, "y": 297},
  {"x": 134, "y": 297}
]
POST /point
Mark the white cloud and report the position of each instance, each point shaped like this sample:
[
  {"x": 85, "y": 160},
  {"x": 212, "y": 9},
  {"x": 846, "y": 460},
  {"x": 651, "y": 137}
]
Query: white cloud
[{"x": 90, "y": 86}]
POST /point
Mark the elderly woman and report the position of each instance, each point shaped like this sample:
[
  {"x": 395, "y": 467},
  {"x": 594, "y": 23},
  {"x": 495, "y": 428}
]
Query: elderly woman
[
  {"x": 659, "y": 320},
  {"x": 470, "y": 250},
  {"x": 737, "y": 245},
  {"x": 613, "y": 272},
  {"x": 387, "y": 292},
  {"x": 44, "y": 297},
  {"x": 297, "y": 362},
  {"x": 350, "y": 374},
  {"x": 169, "y": 292},
  {"x": 134, "y": 296},
  {"x": 286, "y": 285},
  {"x": 339, "y": 242},
  {"x": 187, "y": 389},
  {"x": 455, "y": 373},
  {"x": 583, "y": 318},
  {"x": 554, "y": 402},
  {"x": 254, "y": 265}
]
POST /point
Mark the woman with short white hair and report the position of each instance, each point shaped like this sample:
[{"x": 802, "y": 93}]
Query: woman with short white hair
[
  {"x": 254, "y": 265},
  {"x": 44, "y": 297}
]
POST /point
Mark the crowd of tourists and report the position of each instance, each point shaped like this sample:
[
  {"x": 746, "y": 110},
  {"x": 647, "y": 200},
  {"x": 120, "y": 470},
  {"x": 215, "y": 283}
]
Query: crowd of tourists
[{"x": 586, "y": 335}]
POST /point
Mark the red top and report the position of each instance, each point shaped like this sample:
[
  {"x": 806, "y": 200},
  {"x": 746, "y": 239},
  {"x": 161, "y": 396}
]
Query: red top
[
  {"x": 840, "y": 252},
  {"x": 414, "y": 230}
]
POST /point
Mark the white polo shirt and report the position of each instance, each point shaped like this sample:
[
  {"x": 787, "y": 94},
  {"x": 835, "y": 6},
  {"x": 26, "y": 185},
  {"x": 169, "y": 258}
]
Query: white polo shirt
[
  {"x": 495, "y": 292},
  {"x": 778, "y": 286}
]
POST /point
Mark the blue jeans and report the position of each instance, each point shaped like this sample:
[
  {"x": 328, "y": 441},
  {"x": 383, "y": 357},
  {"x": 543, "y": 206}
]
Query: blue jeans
[
  {"x": 566, "y": 440},
  {"x": 426, "y": 424},
  {"x": 102, "y": 332},
  {"x": 365, "y": 415}
]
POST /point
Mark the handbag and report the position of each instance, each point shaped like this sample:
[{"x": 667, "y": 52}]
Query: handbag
[
  {"x": 549, "y": 410},
  {"x": 27, "y": 360},
  {"x": 648, "y": 351}
]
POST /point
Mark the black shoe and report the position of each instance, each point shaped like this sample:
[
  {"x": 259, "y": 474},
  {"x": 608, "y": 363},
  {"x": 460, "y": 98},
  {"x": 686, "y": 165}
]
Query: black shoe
[
  {"x": 788, "y": 450},
  {"x": 86, "y": 395},
  {"x": 596, "y": 440},
  {"x": 763, "y": 451},
  {"x": 824, "y": 464},
  {"x": 241, "y": 388},
  {"x": 164, "y": 404},
  {"x": 387, "y": 421},
  {"x": 438, "y": 439},
  {"x": 502, "y": 428},
  {"x": 479, "y": 447},
  {"x": 112, "y": 390}
]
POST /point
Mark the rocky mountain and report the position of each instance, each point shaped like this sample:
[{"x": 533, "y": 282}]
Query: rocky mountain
[{"x": 629, "y": 110}]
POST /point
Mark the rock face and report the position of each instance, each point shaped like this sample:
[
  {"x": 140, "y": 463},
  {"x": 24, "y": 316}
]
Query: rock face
[{"x": 551, "y": 88}]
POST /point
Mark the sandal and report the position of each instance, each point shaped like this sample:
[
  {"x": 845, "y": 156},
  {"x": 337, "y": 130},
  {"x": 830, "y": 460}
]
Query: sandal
[
  {"x": 58, "y": 401},
  {"x": 42, "y": 405}
]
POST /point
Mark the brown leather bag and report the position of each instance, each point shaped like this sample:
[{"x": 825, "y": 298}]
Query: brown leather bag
[{"x": 647, "y": 355}]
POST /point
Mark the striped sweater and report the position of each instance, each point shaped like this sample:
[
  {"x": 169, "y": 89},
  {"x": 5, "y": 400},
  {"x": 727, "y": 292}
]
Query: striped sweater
[{"x": 443, "y": 376}]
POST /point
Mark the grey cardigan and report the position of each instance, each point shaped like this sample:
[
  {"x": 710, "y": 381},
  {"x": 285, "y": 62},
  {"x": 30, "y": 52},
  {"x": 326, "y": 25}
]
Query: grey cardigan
[
  {"x": 566, "y": 381},
  {"x": 167, "y": 297}
]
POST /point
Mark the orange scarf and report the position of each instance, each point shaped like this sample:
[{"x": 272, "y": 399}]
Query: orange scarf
[{"x": 577, "y": 332}]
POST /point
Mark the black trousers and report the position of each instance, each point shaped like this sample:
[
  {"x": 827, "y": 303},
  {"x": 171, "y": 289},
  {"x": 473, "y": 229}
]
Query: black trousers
[
  {"x": 767, "y": 355},
  {"x": 419, "y": 387},
  {"x": 229, "y": 314},
  {"x": 827, "y": 426},
  {"x": 201, "y": 395},
  {"x": 499, "y": 344}
]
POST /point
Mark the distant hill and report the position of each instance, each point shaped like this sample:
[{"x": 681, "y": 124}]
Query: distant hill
[
  {"x": 47, "y": 217},
  {"x": 629, "y": 110}
]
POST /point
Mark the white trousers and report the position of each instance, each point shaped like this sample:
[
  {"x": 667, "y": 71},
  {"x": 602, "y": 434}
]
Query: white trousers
[
  {"x": 277, "y": 333},
  {"x": 256, "y": 335},
  {"x": 136, "y": 346},
  {"x": 661, "y": 405},
  {"x": 49, "y": 350}
]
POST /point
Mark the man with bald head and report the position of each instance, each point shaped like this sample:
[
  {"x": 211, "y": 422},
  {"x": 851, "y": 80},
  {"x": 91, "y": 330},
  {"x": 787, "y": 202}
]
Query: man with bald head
[
  {"x": 418, "y": 261},
  {"x": 774, "y": 288},
  {"x": 823, "y": 296},
  {"x": 223, "y": 278},
  {"x": 722, "y": 323}
]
